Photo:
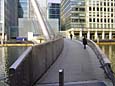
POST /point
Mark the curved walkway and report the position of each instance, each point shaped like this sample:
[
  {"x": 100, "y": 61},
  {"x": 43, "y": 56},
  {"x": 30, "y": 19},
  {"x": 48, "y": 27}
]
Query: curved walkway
[{"x": 80, "y": 65}]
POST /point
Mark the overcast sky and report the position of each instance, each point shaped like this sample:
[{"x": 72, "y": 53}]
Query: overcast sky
[{"x": 55, "y": 1}]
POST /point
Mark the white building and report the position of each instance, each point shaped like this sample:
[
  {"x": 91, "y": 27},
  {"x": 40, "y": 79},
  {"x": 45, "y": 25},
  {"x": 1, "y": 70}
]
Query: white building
[{"x": 93, "y": 18}]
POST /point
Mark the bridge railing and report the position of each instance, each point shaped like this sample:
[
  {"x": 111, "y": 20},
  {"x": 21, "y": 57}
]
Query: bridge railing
[
  {"x": 104, "y": 61},
  {"x": 34, "y": 62}
]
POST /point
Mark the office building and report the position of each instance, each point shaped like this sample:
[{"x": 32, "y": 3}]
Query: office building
[
  {"x": 20, "y": 10},
  {"x": 28, "y": 22},
  {"x": 54, "y": 10},
  {"x": 8, "y": 18},
  {"x": 93, "y": 18},
  {"x": 54, "y": 15},
  {"x": 24, "y": 6}
]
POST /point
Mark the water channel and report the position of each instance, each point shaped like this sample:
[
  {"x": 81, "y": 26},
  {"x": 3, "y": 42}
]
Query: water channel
[
  {"x": 109, "y": 50},
  {"x": 8, "y": 56}
]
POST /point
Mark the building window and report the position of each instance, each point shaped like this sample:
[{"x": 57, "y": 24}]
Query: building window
[
  {"x": 112, "y": 20},
  {"x": 90, "y": 20},
  {"x": 90, "y": 25},
  {"x": 104, "y": 3},
  {"x": 89, "y": 8},
  {"x": 101, "y": 25},
  {"x": 112, "y": 15},
  {"x": 104, "y": 20},
  {"x": 76, "y": 9},
  {"x": 104, "y": 25},
  {"x": 111, "y": 9},
  {"x": 82, "y": 20},
  {"x": 94, "y": 25},
  {"x": 74, "y": 20},
  {"x": 111, "y": 4},
  {"x": 112, "y": 25},
  {"x": 97, "y": 25},
  {"x": 108, "y": 3},
  {"x": 104, "y": 9},
  {"x": 108, "y": 25},
  {"x": 93, "y": 19},
  {"x": 101, "y": 3},
  {"x": 97, "y": 8},
  {"x": 97, "y": 20},
  {"x": 101, "y": 9},
  {"x": 101, "y": 20},
  {"x": 93, "y": 8},
  {"x": 97, "y": 15},
  {"x": 82, "y": 9}
]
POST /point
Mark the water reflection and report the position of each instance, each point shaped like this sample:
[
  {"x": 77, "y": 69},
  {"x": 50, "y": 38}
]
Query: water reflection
[
  {"x": 8, "y": 56},
  {"x": 2, "y": 65},
  {"x": 109, "y": 50}
]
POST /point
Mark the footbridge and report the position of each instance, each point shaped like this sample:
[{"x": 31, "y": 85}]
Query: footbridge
[{"x": 39, "y": 65}]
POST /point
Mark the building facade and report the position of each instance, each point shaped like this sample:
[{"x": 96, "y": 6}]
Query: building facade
[
  {"x": 54, "y": 15},
  {"x": 54, "y": 10},
  {"x": 93, "y": 18},
  {"x": 8, "y": 18},
  {"x": 28, "y": 22},
  {"x": 20, "y": 10},
  {"x": 24, "y": 7}
]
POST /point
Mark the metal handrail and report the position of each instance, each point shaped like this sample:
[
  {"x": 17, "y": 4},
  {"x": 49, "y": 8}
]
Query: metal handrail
[{"x": 104, "y": 61}]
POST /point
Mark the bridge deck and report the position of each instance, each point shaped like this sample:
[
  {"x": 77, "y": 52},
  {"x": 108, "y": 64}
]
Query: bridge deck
[{"x": 80, "y": 65}]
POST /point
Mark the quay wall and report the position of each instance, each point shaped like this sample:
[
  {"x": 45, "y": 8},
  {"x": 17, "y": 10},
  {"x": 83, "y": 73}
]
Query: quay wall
[{"x": 34, "y": 62}]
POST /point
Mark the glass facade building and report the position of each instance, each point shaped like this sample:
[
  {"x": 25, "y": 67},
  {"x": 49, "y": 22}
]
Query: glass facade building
[
  {"x": 29, "y": 22},
  {"x": 20, "y": 11},
  {"x": 54, "y": 10},
  {"x": 25, "y": 8},
  {"x": 93, "y": 14},
  {"x": 8, "y": 16},
  {"x": 54, "y": 15}
]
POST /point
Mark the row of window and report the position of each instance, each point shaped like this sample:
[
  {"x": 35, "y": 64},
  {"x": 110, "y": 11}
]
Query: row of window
[
  {"x": 78, "y": 14},
  {"x": 78, "y": 9},
  {"x": 54, "y": 11},
  {"x": 78, "y": 20},
  {"x": 93, "y": 20},
  {"x": 100, "y": 9},
  {"x": 54, "y": 5},
  {"x": 91, "y": 25},
  {"x": 54, "y": 16},
  {"x": 94, "y": 9},
  {"x": 108, "y": 3},
  {"x": 104, "y": 0},
  {"x": 101, "y": 25},
  {"x": 101, "y": 15},
  {"x": 100, "y": 20}
]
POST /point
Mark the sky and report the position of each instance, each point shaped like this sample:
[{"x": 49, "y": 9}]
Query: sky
[{"x": 54, "y": 1}]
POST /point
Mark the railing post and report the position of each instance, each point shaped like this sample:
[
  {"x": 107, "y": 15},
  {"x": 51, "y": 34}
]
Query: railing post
[{"x": 61, "y": 77}]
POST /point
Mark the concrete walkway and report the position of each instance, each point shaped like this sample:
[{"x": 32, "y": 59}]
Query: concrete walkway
[{"x": 79, "y": 66}]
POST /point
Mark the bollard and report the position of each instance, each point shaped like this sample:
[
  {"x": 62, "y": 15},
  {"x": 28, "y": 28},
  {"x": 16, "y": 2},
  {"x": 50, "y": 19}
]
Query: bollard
[{"x": 61, "y": 77}]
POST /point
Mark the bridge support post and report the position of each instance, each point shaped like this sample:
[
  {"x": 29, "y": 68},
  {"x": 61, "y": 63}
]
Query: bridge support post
[{"x": 61, "y": 77}]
